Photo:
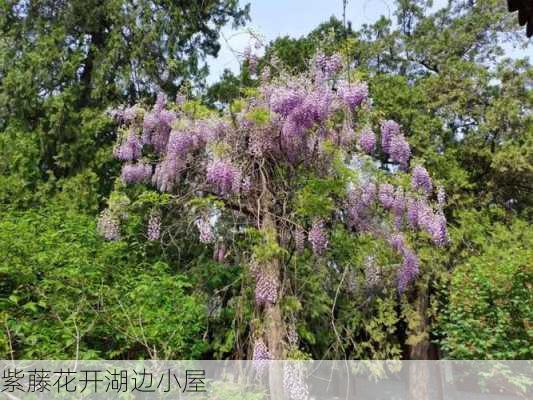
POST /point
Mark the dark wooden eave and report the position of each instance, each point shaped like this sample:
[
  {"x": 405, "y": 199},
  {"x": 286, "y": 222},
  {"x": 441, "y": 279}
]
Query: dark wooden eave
[{"x": 525, "y": 13}]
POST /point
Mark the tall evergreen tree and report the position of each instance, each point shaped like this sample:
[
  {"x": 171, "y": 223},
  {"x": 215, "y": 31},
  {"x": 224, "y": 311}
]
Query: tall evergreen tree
[{"x": 63, "y": 62}]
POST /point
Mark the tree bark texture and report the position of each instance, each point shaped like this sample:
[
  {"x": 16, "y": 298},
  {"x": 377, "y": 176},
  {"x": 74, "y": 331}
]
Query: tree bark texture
[{"x": 418, "y": 369}]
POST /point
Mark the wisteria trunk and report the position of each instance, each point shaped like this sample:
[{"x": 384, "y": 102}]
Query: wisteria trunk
[
  {"x": 419, "y": 370},
  {"x": 273, "y": 321},
  {"x": 274, "y": 329}
]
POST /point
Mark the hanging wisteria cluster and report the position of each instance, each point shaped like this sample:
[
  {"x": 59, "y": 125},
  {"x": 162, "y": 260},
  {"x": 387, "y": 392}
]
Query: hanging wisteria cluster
[
  {"x": 294, "y": 381},
  {"x": 154, "y": 227},
  {"x": 288, "y": 123},
  {"x": 299, "y": 239},
  {"x": 408, "y": 209},
  {"x": 394, "y": 143},
  {"x": 205, "y": 230},
  {"x": 224, "y": 177},
  {"x": 108, "y": 226},
  {"x": 136, "y": 173},
  {"x": 266, "y": 285},
  {"x": 367, "y": 141},
  {"x": 260, "y": 357},
  {"x": 317, "y": 238}
]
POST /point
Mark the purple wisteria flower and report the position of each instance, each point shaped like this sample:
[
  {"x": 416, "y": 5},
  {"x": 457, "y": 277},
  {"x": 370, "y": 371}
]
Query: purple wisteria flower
[
  {"x": 167, "y": 117},
  {"x": 359, "y": 200},
  {"x": 130, "y": 113},
  {"x": 253, "y": 63},
  {"x": 397, "y": 242},
  {"x": 306, "y": 121},
  {"x": 316, "y": 107},
  {"x": 260, "y": 357},
  {"x": 412, "y": 212},
  {"x": 293, "y": 381},
  {"x": 154, "y": 227},
  {"x": 438, "y": 230},
  {"x": 346, "y": 135},
  {"x": 399, "y": 150},
  {"x": 318, "y": 238},
  {"x": 206, "y": 230},
  {"x": 136, "y": 173},
  {"x": 251, "y": 59},
  {"x": 367, "y": 141},
  {"x": 160, "y": 102},
  {"x": 425, "y": 214},
  {"x": 353, "y": 94},
  {"x": 150, "y": 122},
  {"x": 266, "y": 73},
  {"x": 180, "y": 143},
  {"x": 108, "y": 226},
  {"x": 398, "y": 207},
  {"x": 224, "y": 177},
  {"x": 389, "y": 129},
  {"x": 441, "y": 198},
  {"x": 433, "y": 223},
  {"x": 284, "y": 100},
  {"x": 320, "y": 60},
  {"x": 386, "y": 195},
  {"x": 368, "y": 193},
  {"x": 130, "y": 149},
  {"x": 333, "y": 64},
  {"x": 399, "y": 203},
  {"x": 299, "y": 239},
  {"x": 420, "y": 179},
  {"x": 408, "y": 271},
  {"x": 266, "y": 288},
  {"x": 167, "y": 173},
  {"x": 261, "y": 144},
  {"x": 326, "y": 67},
  {"x": 157, "y": 125}
]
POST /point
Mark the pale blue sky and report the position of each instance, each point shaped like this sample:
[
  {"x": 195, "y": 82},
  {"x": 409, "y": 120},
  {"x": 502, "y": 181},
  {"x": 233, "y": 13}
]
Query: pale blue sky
[{"x": 273, "y": 18}]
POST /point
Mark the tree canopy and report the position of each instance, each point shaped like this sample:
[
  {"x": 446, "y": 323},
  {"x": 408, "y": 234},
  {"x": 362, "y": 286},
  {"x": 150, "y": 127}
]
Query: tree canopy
[{"x": 63, "y": 62}]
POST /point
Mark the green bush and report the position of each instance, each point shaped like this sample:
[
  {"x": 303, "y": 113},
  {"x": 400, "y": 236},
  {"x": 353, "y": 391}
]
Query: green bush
[
  {"x": 65, "y": 293},
  {"x": 490, "y": 306}
]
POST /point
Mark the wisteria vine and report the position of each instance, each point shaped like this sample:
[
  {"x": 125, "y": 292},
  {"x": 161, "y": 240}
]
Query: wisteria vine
[{"x": 288, "y": 122}]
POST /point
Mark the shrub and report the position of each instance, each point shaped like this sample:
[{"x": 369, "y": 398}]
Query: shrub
[
  {"x": 490, "y": 298},
  {"x": 65, "y": 293}
]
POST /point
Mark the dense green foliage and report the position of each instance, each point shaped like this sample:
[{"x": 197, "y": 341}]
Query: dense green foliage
[
  {"x": 63, "y": 63},
  {"x": 491, "y": 303},
  {"x": 66, "y": 293}
]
